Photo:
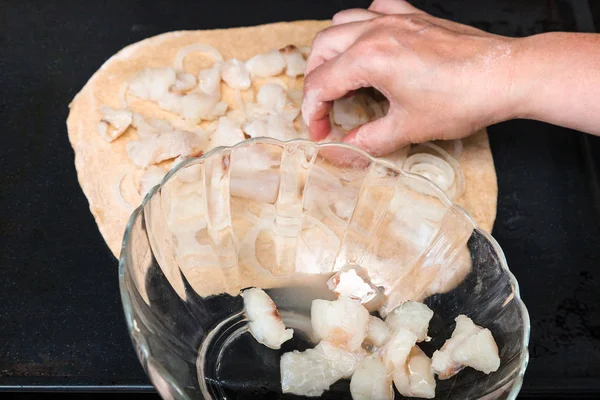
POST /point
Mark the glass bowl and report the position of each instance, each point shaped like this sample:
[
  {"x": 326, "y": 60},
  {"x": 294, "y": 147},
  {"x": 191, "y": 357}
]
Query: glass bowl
[{"x": 284, "y": 217}]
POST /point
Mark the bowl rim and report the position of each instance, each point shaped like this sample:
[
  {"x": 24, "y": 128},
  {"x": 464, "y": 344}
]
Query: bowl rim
[{"x": 126, "y": 301}]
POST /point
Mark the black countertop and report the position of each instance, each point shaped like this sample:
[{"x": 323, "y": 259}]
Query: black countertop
[{"x": 61, "y": 321}]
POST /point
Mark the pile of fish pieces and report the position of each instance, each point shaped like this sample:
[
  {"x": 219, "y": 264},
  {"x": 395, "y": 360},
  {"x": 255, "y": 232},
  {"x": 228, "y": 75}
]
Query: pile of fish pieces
[{"x": 372, "y": 352}]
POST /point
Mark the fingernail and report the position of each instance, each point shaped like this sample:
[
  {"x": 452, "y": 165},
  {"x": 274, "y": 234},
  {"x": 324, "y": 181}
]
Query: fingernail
[{"x": 310, "y": 104}]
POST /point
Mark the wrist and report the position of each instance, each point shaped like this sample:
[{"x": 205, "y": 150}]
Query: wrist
[
  {"x": 514, "y": 82},
  {"x": 531, "y": 73}
]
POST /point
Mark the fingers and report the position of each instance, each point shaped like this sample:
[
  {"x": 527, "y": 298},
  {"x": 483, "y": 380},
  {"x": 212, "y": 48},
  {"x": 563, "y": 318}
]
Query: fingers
[
  {"x": 319, "y": 124},
  {"x": 379, "y": 137},
  {"x": 394, "y": 7},
  {"x": 333, "y": 41},
  {"x": 328, "y": 82},
  {"x": 344, "y": 157},
  {"x": 353, "y": 15}
]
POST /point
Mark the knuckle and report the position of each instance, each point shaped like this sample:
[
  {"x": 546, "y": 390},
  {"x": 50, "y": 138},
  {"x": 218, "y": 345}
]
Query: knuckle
[
  {"x": 361, "y": 47},
  {"x": 321, "y": 37},
  {"x": 411, "y": 22},
  {"x": 378, "y": 4},
  {"x": 414, "y": 22},
  {"x": 376, "y": 45},
  {"x": 338, "y": 17},
  {"x": 342, "y": 16},
  {"x": 381, "y": 46},
  {"x": 390, "y": 20}
]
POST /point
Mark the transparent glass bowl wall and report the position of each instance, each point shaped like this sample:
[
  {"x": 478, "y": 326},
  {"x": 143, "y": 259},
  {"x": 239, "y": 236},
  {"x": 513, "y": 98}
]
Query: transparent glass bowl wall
[{"x": 272, "y": 214}]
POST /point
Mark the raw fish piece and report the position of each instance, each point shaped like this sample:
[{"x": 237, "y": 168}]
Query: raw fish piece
[
  {"x": 266, "y": 64},
  {"x": 311, "y": 372},
  {"x": 342, "y": 322},
  {"x": 469, "y": 346},
  {"x": 371, "y": 381},
  {"x": 413, "y": 316},
  {"x": 396, "y": 350},
  {"x": 347, "y": 282},
  {"x": 378, "y": 332},
  {"x": 416, "y": 379},
  {"x": 265, "y": 323}
]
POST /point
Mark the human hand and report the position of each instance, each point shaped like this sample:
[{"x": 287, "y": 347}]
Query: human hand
[{"x": 443, "y": 80}]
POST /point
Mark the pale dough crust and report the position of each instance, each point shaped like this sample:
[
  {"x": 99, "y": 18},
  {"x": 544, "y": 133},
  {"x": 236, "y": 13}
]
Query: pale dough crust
[{"x": 100, "y": 164}]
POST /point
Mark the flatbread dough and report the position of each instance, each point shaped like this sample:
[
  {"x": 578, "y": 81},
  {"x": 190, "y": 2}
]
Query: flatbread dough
[{"x": 104, "y": 167}]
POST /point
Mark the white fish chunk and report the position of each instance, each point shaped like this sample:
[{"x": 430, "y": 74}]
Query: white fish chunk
[
  {"x": 266, "y": 64},
  {"x": 341, "y": 359},
  {"x": 350, "y": 112},
  {"x": 371, "y": 381},
  {"x": 255, "y": 111},
  {"x": 396, "y": 350},
  {"x": 279, "y": 127},
  {"x": 416, "y": 379},
  {"x": 153, "y": 83},
  {"x": 235, "y": 74},
  {"x": 150, "y": 127},
  {"x": 342, "y": 322},
  {"x": 237, "y": 116},
  {"x": 195, "y": 106},
  {"x": 186, "y": 213},
  {"x": 150, "y": 178},
  {"x": 265, "y": 323},
  {"x": 262, "y": 186},
  {"x": 114, "y": 122},
  {"x": 209, "y": 80},
  {"x": 311, "y": 372},
  {"x": 469, "y": 346},
  {"x": 184, "y": 82},
  {"x": 295, "y": 64},
  {"x": 190, "y": 173},
  {"x": 256, "y": 128},
  {"x": 272, "y": 97},
  {"x": 162, "y": 147},
  {"x": 252, "y": 159},
  {"x": 296, "y": 96},
  {"x": 202, "y": 103},
  {"x": 344, "y": 207},
  {"x": 290, "y": 112},
  {"x": 413, "y": 316},
  {"x": 347, "y": 282},
  {"x": 378, "y": 332},
  {"x": 227, "y": 133},
  {"x": 375, "y": 108}
]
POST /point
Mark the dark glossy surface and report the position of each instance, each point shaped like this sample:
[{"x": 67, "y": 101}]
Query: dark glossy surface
[{"x": 61, "y": 322}]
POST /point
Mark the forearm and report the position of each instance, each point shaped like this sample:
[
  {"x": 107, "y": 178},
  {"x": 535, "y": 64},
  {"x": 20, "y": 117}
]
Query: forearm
[{"x": 555, "y": 78}]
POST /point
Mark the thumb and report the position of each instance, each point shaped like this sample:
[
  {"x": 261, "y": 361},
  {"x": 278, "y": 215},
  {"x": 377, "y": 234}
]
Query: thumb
[{"x": 380, "y": 137}]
